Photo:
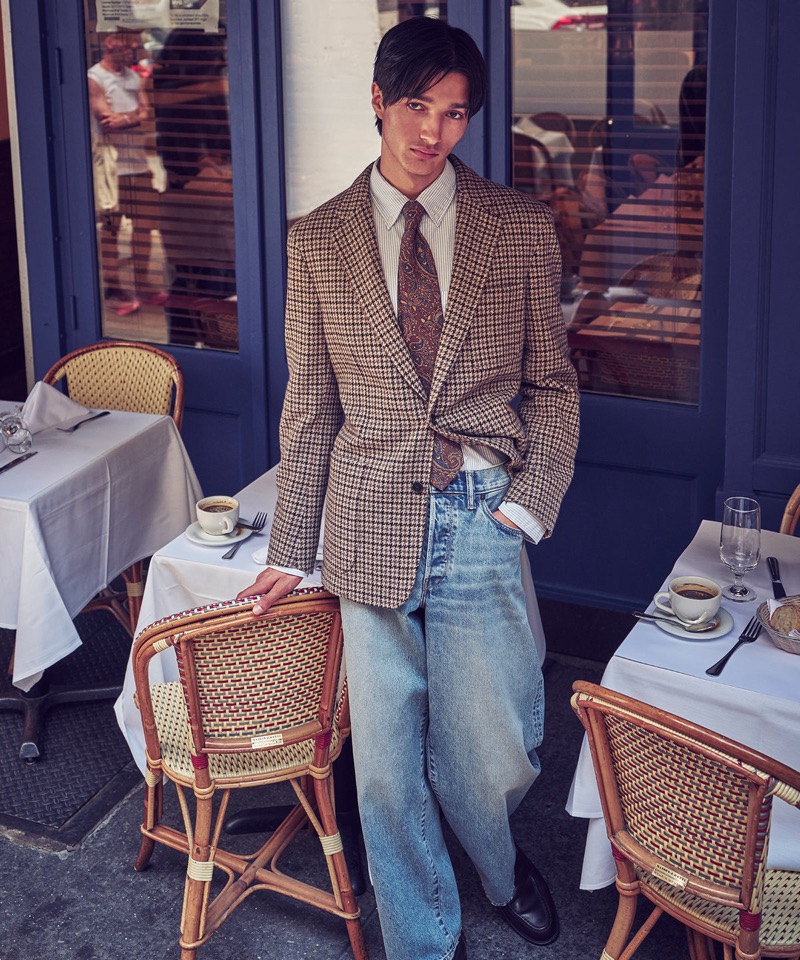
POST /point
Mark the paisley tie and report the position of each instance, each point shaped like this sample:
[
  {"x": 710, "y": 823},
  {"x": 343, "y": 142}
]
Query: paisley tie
[{"x": 419, "y": 311}]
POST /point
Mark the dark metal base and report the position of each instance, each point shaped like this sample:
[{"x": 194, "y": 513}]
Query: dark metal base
[{"x": 39, "y": 699}]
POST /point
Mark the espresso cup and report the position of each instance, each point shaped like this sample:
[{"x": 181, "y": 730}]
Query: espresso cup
[
  {"x": 218, "y": 516},
  {"x": 691, "y": 599}
]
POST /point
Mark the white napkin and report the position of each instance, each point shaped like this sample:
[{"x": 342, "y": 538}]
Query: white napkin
[
  {"x": 773, "y": 606},
  {"x": 46, "y": 406}
]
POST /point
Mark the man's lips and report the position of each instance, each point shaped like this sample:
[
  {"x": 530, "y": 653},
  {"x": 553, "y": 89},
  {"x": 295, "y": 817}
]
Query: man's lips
[{"x": 424, "y": 154}]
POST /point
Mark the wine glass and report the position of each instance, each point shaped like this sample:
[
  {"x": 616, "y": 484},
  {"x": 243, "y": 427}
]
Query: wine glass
[
  {"x": 14, "y": 432},
  {"x": 740, "y": 544}
]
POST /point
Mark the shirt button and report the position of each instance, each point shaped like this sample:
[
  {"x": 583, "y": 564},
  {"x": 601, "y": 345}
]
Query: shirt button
[{"x": 417, "y": 487}]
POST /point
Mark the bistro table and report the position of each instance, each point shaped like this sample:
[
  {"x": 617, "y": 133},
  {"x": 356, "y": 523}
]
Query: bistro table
[
  {"x": 183, "y": 575},
  {"x": 73, "y": 517},
  {"x": 755, "y": 700}
]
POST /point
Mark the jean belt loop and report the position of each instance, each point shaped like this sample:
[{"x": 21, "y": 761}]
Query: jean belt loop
[{"x": 470, "y": 475}]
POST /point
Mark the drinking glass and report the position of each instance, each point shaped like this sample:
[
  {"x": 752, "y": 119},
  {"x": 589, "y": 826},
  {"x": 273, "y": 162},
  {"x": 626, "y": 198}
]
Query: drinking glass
[
  {"x": 740, "y": 544},
  {"x": 14, "y": 433}
]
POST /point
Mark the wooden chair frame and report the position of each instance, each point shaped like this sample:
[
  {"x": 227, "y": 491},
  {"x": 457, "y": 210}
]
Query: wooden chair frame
[
  {"x": 791, "y": 514},
  {"x": 687, "y": 813},
  {"x": 232, "y": 742}
]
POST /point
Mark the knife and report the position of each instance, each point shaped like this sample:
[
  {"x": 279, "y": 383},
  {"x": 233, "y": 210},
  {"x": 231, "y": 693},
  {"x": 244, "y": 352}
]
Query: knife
[
  {"x": 778, "y": 590},
  {"x": 13, "y": 463}
]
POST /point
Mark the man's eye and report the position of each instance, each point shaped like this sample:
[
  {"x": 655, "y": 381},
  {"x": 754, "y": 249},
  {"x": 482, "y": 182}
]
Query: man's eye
[
  {"x": 456, "y": 115},
  {"x": 414, "y": 105}
]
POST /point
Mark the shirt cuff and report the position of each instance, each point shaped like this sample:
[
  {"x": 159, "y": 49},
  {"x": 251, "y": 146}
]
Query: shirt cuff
[
  {"x": 292, "y": 570},
  {"x": 524, "y": 519}
]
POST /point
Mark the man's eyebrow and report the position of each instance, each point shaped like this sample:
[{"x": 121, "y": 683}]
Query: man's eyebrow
[{"x": 453, "y": 106}]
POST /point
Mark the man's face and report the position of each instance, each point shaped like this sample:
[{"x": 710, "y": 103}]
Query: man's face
[
  {"x": 122, "y": 54},
  {"x": 419, "y": 133}
]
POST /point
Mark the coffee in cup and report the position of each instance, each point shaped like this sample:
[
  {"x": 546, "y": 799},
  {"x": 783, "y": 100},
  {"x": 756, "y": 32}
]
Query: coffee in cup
[
  {"x": 691, "y": 599},
  {"x": 218, "y": 516}
]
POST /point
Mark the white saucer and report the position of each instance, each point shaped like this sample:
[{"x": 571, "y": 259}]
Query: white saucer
[
  {"x": 197, "y": 534},
  {"x": 725, "y": 626}
]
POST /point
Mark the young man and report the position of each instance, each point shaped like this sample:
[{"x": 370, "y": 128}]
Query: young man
[{"x": 410, "y": 329}]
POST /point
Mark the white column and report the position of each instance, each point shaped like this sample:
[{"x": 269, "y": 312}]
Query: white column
[{"x": 328, "y": 52}]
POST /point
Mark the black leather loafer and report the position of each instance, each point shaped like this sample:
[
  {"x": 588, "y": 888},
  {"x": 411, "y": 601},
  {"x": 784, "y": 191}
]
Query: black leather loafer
[
  {"x": 531, "y": 911},
  {"x": 461, "y": 949}
]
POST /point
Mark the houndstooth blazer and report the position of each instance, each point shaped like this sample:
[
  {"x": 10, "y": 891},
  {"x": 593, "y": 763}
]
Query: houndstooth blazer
[{"x": 356, "y": 422}]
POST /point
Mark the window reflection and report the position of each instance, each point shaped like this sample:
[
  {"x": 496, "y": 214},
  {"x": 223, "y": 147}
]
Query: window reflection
[
  {"x": 609, "y": 130},
  {"x": 158, "y": 96}
]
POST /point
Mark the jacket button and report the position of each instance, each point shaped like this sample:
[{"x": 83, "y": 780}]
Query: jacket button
[{"x": 417, "y": 487}]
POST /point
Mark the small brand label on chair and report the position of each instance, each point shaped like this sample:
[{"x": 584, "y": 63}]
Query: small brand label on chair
[
  {"x": 669, "y": 876},
  {"x": 268, "y": 740}
]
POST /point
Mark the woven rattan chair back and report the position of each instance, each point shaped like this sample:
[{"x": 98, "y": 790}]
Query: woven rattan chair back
[
  {"x": 688, "y": 815},
  {"x": 792, "y": 513},
  {"x": 251, "y": 681},
  {"x": 122, "y": 376},
  {"x": 259, "y": 701}
]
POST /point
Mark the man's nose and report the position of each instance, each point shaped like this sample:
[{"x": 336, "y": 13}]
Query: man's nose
[{"x": 431, "y": 131}]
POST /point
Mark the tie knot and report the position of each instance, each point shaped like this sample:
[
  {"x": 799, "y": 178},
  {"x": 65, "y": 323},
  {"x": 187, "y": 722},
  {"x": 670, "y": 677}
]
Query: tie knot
[{"x": 412, "y": 212}]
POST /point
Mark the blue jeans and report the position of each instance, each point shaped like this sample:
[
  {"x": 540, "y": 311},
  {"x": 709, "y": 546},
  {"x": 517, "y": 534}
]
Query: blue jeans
[{"x": 447, "y": 707}]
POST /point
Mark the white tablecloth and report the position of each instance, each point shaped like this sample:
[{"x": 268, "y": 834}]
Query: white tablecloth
[
  {"x": 183, "y": 575},
  {"x": 755, "y": 700},
  {"x": 74, "y": 516}
]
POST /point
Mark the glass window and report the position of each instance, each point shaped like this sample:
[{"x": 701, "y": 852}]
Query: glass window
[
  {"x": 608, "y": 128},
  {"x": 161, "y": 150}
]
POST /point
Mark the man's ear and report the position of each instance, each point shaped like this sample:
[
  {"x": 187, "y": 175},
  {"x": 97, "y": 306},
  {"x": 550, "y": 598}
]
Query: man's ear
[{"x": 377, "y": 101}]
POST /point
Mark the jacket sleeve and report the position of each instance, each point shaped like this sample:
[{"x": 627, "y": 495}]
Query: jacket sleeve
[
  {"x": 311, "y": 418},
  {"x": 549, "y": 400}
]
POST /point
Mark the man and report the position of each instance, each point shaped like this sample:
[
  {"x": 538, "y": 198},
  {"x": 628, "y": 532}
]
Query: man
[
  {"x": 433, "y": 482},
  {"x": 119, "y": 106}
]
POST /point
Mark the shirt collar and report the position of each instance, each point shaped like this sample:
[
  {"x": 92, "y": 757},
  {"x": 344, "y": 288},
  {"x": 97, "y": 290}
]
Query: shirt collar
[{"x": 435, "y": 199}]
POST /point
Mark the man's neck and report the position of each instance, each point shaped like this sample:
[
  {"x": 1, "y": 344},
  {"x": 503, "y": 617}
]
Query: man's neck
[{"x": 108, "y": 64}]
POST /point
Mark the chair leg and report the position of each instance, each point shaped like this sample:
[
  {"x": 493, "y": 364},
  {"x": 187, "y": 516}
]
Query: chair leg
[
  {"x": 336, "y": 858},
  {"x": 623, "y": 922},
  {"x": 198, "y": 880},
  {"x": 153, "y": 806},
  {"x": 134, "y": 586}
]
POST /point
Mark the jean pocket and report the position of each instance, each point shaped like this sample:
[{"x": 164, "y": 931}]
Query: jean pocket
[{"x": 487, "y": 505}]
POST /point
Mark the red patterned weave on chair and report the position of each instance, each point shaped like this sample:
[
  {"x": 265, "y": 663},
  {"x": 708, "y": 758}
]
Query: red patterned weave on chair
[
  {"x": 259, "y": 701},
  {"x": 688, "y": 815}
]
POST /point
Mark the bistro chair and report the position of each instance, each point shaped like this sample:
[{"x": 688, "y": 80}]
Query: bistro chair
[
  {"x": 557, "y": 122},
  {"x": 119, "y": 375},
  {"x": 791, "y": 514},
  {"x": 687, "y": 812},
  {"x": 259, "y": 701},
  {"x": 533, "y": 166}
]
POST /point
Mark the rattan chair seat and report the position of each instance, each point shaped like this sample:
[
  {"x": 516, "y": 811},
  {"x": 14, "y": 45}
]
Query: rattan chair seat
[
  {"x": 172, "y": 722},
  {"x": 780, "y": 927}
]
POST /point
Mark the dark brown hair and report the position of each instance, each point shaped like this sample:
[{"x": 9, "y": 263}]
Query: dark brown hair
[{"x": 418, "y": 52}]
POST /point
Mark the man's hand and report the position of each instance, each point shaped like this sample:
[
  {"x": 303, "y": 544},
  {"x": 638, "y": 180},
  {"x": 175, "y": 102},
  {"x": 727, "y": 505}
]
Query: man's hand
[
  {"x": 502, "y": 518},
  {"x": 271, "y": 585}
]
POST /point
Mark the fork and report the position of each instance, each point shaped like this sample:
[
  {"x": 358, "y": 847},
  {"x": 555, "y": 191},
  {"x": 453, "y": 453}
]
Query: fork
[
  {"x": 748, "y": 635},
  {"x": 80, "y": 423},
  {"x": 259, "y": 521}
]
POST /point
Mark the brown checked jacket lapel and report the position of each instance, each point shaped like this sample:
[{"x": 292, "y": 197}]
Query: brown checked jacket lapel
[
  {"x": 477, "y": 230},
  {"x": 358, "y": 248},
  {"x": 357, "y": 429}
]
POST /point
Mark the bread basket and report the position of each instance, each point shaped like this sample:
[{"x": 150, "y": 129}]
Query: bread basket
[{"x": 789, "y": 644}]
